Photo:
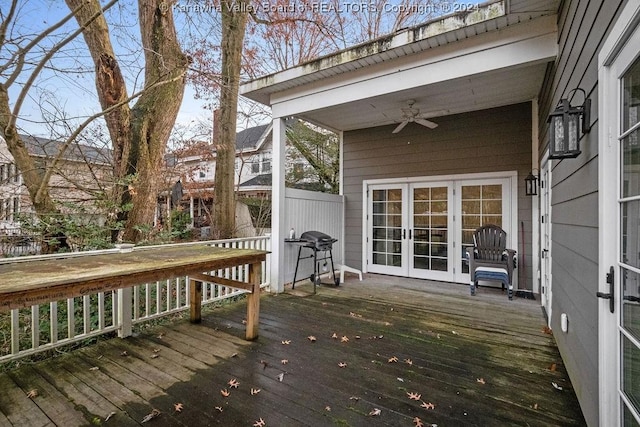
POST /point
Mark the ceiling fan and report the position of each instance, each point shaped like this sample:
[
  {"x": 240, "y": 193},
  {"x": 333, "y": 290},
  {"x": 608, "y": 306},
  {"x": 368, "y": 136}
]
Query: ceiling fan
[{"x": 411, "y": 114}]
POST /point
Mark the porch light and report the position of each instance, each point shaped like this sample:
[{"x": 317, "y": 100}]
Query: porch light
[
  {"x": 531, "y": 184},
  {"x": 567, "y": 127}
]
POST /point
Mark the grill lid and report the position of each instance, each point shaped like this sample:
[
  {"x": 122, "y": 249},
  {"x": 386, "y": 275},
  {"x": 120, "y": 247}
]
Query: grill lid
[{"x": 317, "y": 237}]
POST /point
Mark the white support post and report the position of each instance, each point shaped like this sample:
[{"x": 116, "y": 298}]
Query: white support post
[
  {"x": 125, "y": 328},
  {"x": 278, "y": 226}
]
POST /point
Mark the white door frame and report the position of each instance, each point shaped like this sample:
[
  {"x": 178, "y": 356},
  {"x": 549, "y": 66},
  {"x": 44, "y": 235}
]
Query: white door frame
[
  {"x": 546, "y": 290},
  {"x": 612, "y": 60}
]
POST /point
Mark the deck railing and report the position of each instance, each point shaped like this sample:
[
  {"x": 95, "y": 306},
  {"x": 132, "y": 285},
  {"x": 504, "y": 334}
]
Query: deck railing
[{"x": 28, "y": 331}]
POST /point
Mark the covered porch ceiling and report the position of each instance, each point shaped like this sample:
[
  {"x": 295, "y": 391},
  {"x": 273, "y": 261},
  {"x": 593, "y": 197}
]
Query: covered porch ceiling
[{"x": 461, "y": 63}]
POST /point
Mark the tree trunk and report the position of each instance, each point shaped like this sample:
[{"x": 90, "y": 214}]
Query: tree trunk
[
  {"x": 234, "y": 21},
  {"x": 139, "y": 134}
]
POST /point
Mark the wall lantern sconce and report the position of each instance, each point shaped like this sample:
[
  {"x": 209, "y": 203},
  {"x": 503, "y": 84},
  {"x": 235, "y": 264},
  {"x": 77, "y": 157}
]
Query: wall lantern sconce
[
  {"x": 531, "y": 184},
  {"x": 568, "y": 123}
]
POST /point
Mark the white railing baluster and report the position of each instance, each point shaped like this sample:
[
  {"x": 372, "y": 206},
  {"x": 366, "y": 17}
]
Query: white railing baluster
[
  {"x": 53, "y": 321},
  {"x": 101, "y": 311},
  {"x": 35, "y": 326},
  {"x": 15, "y": 331},
  {"x": 135, "y": 294},
  {"x": 86, "y": 313},
  {"x": 71, "y": 318}
]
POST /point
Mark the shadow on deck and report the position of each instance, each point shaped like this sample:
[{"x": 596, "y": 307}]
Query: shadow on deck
[{"x": 387, "y": 351}]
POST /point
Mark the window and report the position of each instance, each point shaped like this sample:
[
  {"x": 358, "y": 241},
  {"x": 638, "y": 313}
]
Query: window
[
  {"x": 255, "y": 167},
  {"x": 266, "y": 166},
  {"x": 202, "y": 174}
]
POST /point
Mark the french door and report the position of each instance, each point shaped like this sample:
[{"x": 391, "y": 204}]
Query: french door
[
  {"x": 423, "y": 229},
  {"x": 619, "y": 197}
]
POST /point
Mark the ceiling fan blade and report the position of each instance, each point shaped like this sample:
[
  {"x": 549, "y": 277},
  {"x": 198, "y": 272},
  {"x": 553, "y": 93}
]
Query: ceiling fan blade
[
  {"x": 400, "y": 126},
  {"x": 427, "y": 123}
]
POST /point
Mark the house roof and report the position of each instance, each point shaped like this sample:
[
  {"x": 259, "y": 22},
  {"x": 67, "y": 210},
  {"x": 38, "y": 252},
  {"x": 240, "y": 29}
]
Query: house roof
[
  {"x": 494, "y": 56},
  {"x": 45, "y": 147},
  {"x": 264, "y": 180},
  {"x": 252, "y": 138},
  {"x": 488, "y": 17}
]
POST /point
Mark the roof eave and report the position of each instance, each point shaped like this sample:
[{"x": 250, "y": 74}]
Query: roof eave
[{"x": 260, "y": 89}]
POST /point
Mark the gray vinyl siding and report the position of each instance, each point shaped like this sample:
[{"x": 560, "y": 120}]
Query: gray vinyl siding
[
  {"x": 492, "y": 140},
  {"x": 582, "y": 27}
]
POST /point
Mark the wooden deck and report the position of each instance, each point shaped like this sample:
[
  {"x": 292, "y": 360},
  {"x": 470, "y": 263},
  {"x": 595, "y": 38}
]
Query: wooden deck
[{"x": 387, "y": 351}]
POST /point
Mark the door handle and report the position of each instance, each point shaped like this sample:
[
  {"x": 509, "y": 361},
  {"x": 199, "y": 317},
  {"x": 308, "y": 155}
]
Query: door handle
[
  {"x": 610, "y": 295},
  {"x": 410, "y": 233},
  {"x": 404, "y": 233}
]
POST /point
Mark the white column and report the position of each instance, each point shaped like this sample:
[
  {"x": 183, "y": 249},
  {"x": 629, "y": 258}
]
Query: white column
[
  {"x": 191, "y": 211},
  {"x": 278, "y": 228}
]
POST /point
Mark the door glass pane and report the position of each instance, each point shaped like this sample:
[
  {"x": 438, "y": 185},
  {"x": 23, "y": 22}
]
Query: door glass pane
[
  {"x": 387, "y": 227},
  {"x": 430, "y": 234},
  {"x": 631, "y": 165},
  {"x": 629, "y": 419},
  {"x": 630, "y": 242},
  {"x": 631, "y": 302},
  {"x": 481, "y": 205},
  {"x": 631, "y": 96},
  {"x": 631, "y": 371}
]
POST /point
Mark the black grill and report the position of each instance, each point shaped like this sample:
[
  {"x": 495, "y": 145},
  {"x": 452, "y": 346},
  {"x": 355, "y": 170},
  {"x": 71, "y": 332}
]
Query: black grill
[{"x": 317, "y": 242}]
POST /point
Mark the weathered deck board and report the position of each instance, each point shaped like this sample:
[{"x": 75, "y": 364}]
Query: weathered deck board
[{"x": 454, "y": 343}]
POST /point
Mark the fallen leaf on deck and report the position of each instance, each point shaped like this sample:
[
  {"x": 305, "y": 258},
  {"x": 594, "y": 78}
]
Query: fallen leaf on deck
[
  {"x": 218, "y": 408},
  {"x": 418, "y": 422},
  {"x": 95, "y": 368},
  {"x": 124, "y": 353},
  {"x": 429, "y": 405},
  {"x": 264, "y": 364},
  {"x": 400, "y": 379},
  {"x": 109, "y": 416},
  {"x": 280, "y": 377},
  {"x": 285, "y": 342},
  {"x": 454, "y": 332},
  {"x": 178, "y": 407},
  {"x": 255, "y": 391},
  {"x": 352, "y": 314},
  {"x": 414, "y": 396},
  {"x": 392, "y": 359},
  {"x": 259, "y": 423},
  {"x": 244, "y": 321},
  {"x": 344, "y": 339},
  {"x": 234, "y": 354},
  {"x": 480, "y": 380},
  {"x": 327, "y": 408},
  {"x": 312, "y": 338},
  {"x": 225, "y": 392},
  {"x": 535, "y": 406},
  {"x": 155, "y": 356},
  {"x": 356, "y": 398},
  {"x": 357, "y": 337},
  {"x": 151, "y": 416},
  {"x": 161, "y": 335},
  {"x": 334, "y": 336},
  {"x": 556, "y": 386},
  {"x": 284, "y": 361},
  {"x": 32, "y": 393},
  {"x": 156, "y": 350},
  {"x": 342, "y": 364},
  {"x": 375, "y": 412},
  {"x": 233, "y": 383},
  {"x": 553, "y": 367},
  {"x": 408, "y": 362},
  {"x": 547, "y": 330}
]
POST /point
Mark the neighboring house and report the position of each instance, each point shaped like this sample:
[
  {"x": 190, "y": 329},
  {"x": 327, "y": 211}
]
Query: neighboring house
[
  {"x": 81, "y": 175},
  {"x": 195, "y": 165},
  {"x": 490, "y": 78}
]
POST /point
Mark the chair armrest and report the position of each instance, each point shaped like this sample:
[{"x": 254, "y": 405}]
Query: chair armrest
[{"x": 511, "y": 257}]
